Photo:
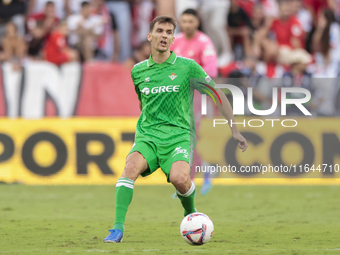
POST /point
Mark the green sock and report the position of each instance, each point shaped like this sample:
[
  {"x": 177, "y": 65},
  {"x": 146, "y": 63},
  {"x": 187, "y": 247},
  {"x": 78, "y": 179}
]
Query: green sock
[
  {"x": 188, "y": 200},
  {"x": 124, "y": 192}
]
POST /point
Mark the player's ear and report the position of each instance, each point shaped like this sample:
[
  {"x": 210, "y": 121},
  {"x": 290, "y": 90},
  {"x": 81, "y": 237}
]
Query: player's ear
[
  {"x": 149, "y": 37},
  {"x": 173, "y": 40}
]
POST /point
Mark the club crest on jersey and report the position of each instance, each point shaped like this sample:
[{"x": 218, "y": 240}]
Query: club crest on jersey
[{"x": 173, "y": 76}]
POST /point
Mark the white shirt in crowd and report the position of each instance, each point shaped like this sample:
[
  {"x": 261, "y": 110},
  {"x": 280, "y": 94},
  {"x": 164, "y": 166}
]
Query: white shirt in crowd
[{"x": 94, "y": 22}]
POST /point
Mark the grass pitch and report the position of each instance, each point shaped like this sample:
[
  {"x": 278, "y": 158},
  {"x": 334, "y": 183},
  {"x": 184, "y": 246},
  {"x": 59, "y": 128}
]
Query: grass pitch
[{"x": 247, "y": 219}]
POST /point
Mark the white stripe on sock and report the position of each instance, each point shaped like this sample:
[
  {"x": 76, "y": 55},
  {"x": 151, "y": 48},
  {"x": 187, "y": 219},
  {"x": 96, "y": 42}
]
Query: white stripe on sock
[
  {"x": 130, "y": 186},
  {"x": 189, "y": 192},
  {"x": 126, "y": 180},
  {"x": 123, "y": 181}
]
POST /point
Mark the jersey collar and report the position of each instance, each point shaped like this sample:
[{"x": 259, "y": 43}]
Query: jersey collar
[{"x": 171, "y": 60}]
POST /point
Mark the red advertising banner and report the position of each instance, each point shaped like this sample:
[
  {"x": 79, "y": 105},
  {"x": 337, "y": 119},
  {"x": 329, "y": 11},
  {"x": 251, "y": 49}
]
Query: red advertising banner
[{"x": 42, "y": 89}]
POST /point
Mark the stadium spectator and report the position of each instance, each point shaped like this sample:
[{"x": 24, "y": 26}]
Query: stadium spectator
[
  {"x": 287, "y": 29},
  {"x": 143, "y": 12},
  {"x": 279, "y": 34},
  {"x": 35, "y": 41},
  {"x": 298, "y": 76},
  {"x": 13, "y": 46},
  {"x": 56, "y": 49},
  {"x": 304, "y": 16},
  {"x": 270, "y": 8},
  {"x": 108, "y": 46},
  {"x": 12, "y": 11},
  {"x": 214, "y": 15},
  {"x": 142, "y": 52},
  {"x": 182, "y": 5},
  {"x": 48, "y": 19},
  {"x": 315, "y": 6},
  {"x": 121, "y": 10},
  {"x": 239, "y": 28},
  {"x": 326, "y": 39},
  {"x": 247, "y": 6},
  {"x": 62, "y": 7},
  {"x": 85, "y": 29},
  {"x": 75, "y": 5}
]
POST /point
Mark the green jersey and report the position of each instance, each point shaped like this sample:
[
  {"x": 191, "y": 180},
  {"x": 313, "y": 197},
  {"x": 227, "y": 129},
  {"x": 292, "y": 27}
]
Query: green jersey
[{"x": 166, "y": 92}]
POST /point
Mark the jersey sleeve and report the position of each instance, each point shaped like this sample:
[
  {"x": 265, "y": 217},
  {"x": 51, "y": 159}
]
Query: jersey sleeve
[
  {"x": 136, "y": 86},
  {"x": 200, "y": 80}
]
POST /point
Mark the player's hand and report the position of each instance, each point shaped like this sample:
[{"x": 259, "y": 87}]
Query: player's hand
[{"x": 242, "y": 142}]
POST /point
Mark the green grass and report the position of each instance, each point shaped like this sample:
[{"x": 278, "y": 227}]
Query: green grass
[{"x": 247, "y": 219}]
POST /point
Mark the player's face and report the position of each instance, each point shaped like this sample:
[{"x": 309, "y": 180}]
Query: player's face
[
  {"x": 162, "y": 36},
  {"x": 189, "y": 24}
]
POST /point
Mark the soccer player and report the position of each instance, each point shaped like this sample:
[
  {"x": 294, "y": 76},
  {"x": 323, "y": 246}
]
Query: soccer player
[
  {"x": 194, "y": 44},
  {"x": 164, "y": 136}
]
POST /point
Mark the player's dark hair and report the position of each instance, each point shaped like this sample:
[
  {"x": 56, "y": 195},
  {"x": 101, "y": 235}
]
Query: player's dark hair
[
  {"x": 161, "y": 20},
  {"x": 84, "y": 4},
  {"x": 191, "y": 11}
]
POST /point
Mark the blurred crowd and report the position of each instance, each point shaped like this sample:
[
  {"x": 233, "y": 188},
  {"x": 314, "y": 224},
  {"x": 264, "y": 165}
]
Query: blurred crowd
[{"x": 297, "y": 40}]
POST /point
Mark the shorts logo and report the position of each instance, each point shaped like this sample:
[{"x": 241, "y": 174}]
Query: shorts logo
[{"x": 179, "y": 150}]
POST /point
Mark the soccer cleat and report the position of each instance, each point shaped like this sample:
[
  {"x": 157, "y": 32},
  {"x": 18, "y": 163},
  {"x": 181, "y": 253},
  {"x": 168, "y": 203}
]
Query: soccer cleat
[
  {"x": 115, "y": 236},
  {"x": 206, "y": 187}
]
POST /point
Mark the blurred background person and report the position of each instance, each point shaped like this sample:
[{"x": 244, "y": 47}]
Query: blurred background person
[
  {"x": 62, "y": 7},
  {"x": 182, "y": 5},
  {"x": 326, "y": 38},
  {"x": 141, "y": 53},
  {"x": 12, "y": 11},
  {"x": 56, "y": 49},
  {"x": 108, "y": 45},
  {"x": 85, "y": 28},
  {"x": 194, "y": 44},
  {"x": 121, "y": 11},
  {"x": 14, "y": 47},
  {"x": 214, "y": 21},
  {"x": 298, "y": 76},
  {"x": 239, "y": 30},
  {"x": 47, "y": 18}
]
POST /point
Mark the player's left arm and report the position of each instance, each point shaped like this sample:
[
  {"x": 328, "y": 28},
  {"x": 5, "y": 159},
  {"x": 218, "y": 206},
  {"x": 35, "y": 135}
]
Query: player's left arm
[
  {"x": 227, "y": 112},
  {"x": 200, "y": 81}
]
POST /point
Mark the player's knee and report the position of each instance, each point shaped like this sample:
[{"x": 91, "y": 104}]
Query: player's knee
[
  {"x": 180, "y": 179},
  {"x": 131, "y": 170}
]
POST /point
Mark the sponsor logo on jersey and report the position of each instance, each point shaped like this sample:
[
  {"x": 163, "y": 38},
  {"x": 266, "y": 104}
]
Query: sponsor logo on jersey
[
  {"x": 161, "y": 89},
  {"x": 146, "y": 91},
  {"x": 147, "y": 79},
  {"x": 173, "y": 76}
]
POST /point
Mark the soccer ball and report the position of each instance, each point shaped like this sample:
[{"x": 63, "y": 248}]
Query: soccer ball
[{"x": 196, "y": 228}]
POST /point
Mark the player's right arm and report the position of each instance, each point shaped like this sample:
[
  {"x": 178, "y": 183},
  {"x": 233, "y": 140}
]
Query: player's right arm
[{"x": 136, "y": 89}]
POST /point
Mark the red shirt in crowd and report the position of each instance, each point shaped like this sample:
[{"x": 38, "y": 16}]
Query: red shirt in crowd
[
  {"x": 54, "y": 47},
  {"x": 286, "y": 30},
  {"x": 316, "y": 5},
  {"x": 247, "y": 6},
  {"x": 40, "y": 17}
]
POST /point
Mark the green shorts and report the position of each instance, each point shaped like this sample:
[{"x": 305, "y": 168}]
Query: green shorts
[{"x": 163, "y": 155}]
